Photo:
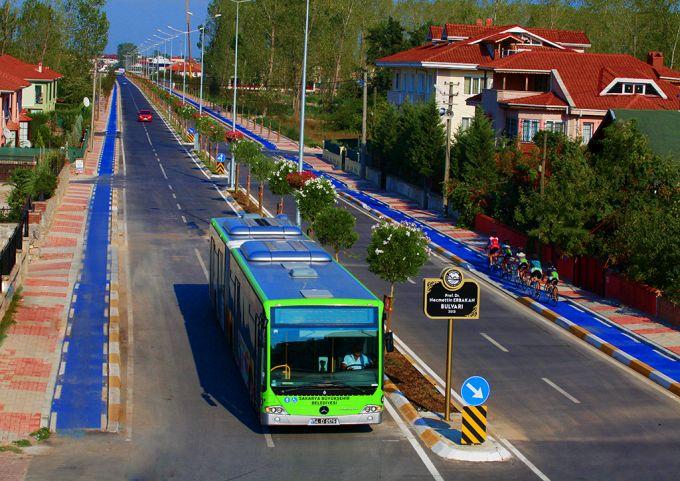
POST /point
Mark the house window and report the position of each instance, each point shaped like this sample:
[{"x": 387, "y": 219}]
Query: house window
[
  {"x": 23, "y": 132},
  {"x": 421, "y": 82},
  {"x": 396, "y": 81},
  {"x": 553, "y": 126},
  {"x": 587, "y": 132},
  {"x": 627, "y": 88},
  {"x": 38, "y": 94},
  {"x": 472, "y": 85},
  {"x": 529, "y": 129},
  {"x": 511, "y": 127},
  {"x": 465, "y": 123},
  {"x": 541, "y": 83}
]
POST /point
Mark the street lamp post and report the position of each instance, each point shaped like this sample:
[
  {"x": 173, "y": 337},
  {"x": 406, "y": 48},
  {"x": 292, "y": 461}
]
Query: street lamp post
[
  {"x": 184, "y": 54},
  {"x": 232, "y": 166},
  {"x": 303, "y": 96}
]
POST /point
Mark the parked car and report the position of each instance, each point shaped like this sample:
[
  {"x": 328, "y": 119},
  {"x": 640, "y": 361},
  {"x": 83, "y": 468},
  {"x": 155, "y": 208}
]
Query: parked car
[{"x": 144, "y": 116}]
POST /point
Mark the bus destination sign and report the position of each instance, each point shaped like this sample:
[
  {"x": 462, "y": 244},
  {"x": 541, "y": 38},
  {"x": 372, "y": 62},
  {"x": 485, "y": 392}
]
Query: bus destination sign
[{"x": 451, "y": 296}]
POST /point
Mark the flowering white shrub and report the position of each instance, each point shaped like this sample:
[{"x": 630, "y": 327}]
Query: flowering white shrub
[
  {"x": 315, "y": 195},
  {"x": 397, "y": 251}
]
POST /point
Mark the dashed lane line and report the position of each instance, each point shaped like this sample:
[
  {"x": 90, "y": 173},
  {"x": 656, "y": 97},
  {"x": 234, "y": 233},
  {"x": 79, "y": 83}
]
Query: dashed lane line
[
  {"x": 163, "y": 170},
  {"x": 560, "y": 390},
  {"x": 494, "y": 342}
]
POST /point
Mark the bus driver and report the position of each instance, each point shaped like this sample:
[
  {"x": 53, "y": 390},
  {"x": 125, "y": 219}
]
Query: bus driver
[{"x": 356, "y": 361}]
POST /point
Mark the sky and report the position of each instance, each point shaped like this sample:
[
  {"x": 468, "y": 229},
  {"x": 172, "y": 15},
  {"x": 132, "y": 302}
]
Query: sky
[{"x": 135, "y": 20}]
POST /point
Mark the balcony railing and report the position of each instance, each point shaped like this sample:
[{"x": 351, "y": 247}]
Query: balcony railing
[{"x": 398, "y": 97}]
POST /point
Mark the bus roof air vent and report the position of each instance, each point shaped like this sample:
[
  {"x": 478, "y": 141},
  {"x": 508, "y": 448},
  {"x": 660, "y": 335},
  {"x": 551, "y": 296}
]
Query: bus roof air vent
[
  {"x": 303, "y": 273},
  {"x": 316, "y": 293},
  {"x": 284, "y": 251},
  {"x": 260, "y": 227}
]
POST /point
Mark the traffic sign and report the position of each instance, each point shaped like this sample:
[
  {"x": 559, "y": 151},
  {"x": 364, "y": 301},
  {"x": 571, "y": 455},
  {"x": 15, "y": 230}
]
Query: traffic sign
[
  {"x": 191, "y": 131},
  {"x": 221, "y": 157},
  {"x": 475, "y": 391},
  {"x": 451, "y": 296}
]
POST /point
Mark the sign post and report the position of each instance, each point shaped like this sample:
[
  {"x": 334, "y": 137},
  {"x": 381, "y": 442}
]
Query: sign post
[{"x": 450, "y": 297}]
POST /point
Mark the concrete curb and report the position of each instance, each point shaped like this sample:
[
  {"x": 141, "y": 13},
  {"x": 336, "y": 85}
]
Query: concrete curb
[
  {"x": 113, "y": 381},
  {"x": 438, "y": 443}
]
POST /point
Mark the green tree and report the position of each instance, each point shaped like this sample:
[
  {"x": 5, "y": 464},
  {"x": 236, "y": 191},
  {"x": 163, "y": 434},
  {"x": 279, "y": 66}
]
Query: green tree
[
  {"x": 384, "y": 134},
  {"x": 562, "y": 214},
  {"x": 396, "y": 252},
  {"x": 383, "y": 39},
  {"x": 123, "y": 50},
  {"x": 245, "y": 152},
  {"x": 335, "y": 227},
  {"x": 261, "y": 168}
]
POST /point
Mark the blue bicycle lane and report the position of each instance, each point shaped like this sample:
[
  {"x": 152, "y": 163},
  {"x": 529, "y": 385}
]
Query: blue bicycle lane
[
  {"x": 82, "y": 402},
  {"x": 608, "y": 332}
]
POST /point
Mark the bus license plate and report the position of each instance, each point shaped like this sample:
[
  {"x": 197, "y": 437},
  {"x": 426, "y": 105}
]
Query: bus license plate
[{"x": 318, "y": 421}]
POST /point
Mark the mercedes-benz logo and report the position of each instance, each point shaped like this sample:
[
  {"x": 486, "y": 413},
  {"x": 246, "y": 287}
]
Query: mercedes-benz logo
[{"x": 323, "y": 409}]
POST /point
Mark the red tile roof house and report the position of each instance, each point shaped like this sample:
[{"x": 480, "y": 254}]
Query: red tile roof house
[
  {"x": 193, "y": 69},
  {"x": 455, "y": 52},
  {"x": 10, "y": 98},
  {"x": 41, "y": 94},
  {"x": 571, "y": 92}
]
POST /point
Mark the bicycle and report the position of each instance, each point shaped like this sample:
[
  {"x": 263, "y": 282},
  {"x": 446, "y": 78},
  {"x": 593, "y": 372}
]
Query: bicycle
[{"x": 552, "y": 292}]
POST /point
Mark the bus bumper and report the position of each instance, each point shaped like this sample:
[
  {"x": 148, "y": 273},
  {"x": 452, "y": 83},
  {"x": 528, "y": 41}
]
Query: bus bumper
[{"x": 288, "y": 420}]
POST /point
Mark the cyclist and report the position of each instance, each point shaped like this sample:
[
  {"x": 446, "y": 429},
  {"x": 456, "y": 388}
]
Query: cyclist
[
  {"x": 536, "y": 270},
  {"x": 506, "y": 251},
  {"x": 522, "y": 261},
  {"x": 494, "y": 248},
  {"x": 552, "y": 277}
]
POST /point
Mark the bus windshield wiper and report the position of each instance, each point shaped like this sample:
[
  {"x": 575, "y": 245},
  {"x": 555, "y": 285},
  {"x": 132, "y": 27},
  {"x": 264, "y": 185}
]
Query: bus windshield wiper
[{"x": 361, "y": 390}]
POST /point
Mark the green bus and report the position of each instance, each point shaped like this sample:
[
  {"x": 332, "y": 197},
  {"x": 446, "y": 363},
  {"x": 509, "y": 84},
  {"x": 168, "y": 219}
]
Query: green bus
[{"x": 306, "y": 335}]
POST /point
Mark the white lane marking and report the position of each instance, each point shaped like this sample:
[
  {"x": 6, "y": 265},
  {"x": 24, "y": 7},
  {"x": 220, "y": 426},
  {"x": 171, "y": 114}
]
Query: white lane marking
[
  {"x": 576, "y": 308},
  {"x": 414, "y": 442},
  {"x": 149, "y": 138},
  {"x": 268, "y": 438},
  {"x": 494, "y": 342},
  {"x": 184, "y": 219},
  {"x": 440, "y": 386},
  {"x": 163, "y": 170},
  {"x": 200, "y": 261},
  {"x": 169, "y": 187},
  {"x": 179, "y": 207},
  {"x": 174, "y": 196},
  {"x": 664, "y": 355},
  {"x": 410, "y": 280},
  {"x": 560, "y": 390},
  {"x": 630, "y": 337},
  {"x": 522, "y": 458}
]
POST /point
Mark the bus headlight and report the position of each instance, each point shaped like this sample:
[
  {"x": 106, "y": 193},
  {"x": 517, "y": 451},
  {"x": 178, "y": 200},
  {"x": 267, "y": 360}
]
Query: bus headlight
[
  {"x": 275, "y": 410},
  {"x": 371, "y": 408}
]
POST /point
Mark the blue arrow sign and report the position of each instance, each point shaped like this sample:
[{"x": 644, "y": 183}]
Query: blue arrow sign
[
  {"x": 192, "y": 131},
  {"x": 221, "y": 157},
  {"x": 475, "y": 391}
]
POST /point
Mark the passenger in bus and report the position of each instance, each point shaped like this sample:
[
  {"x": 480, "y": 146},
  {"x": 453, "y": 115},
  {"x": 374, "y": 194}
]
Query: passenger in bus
[{"x": 356, "y": 360}]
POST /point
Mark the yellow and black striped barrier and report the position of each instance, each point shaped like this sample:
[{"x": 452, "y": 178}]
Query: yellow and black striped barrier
[
  {"x": 219, "y": 168},
  {"x": 474, "y": 425}
]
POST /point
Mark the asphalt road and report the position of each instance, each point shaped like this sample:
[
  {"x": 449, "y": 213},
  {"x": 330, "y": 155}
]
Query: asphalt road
[
  {"x": 570, "y": 410},
  {"x": 190, "y": 418}
]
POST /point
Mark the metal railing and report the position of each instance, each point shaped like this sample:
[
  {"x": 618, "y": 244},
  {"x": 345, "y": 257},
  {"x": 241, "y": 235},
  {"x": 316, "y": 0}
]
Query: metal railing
[{"x": 8, "y": 255}]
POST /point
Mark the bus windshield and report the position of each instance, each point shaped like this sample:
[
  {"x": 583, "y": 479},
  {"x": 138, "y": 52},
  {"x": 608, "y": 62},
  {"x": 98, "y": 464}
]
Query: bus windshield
[{"x": 328, "y": 349}]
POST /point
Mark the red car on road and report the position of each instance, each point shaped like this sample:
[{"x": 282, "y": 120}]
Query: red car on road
[{"x": 144, "y": 116}]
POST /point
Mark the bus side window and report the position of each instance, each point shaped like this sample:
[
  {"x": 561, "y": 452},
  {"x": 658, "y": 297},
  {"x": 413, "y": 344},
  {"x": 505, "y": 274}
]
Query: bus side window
[{"x": 213, "y": 287}]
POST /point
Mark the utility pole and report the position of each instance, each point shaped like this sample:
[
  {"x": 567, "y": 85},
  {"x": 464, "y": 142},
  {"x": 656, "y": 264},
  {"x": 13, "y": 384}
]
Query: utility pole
[
  {"x": 362, "y": 172},
  {"x": 545, "y": 153},
  {"x": 447, "y": 164},
  {"x": 303, "y": 97},
  {"x": 188, "y": 16},
  {"x": 94, "y": 91}
]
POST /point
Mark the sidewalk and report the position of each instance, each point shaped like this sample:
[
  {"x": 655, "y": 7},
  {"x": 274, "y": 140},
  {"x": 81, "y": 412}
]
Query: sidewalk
[
  {"x": 631, "y": 337},
  {"x": 30, "y": 355}
]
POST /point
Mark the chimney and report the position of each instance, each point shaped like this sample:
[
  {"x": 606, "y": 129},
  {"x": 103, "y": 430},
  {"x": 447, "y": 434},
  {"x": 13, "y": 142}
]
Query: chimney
[
  {"x": 40, "y": 67},
  {"x": 489, "y": 22},
  {"x": 479, "y": 22},
  {"x": 655, "y": 59}
]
